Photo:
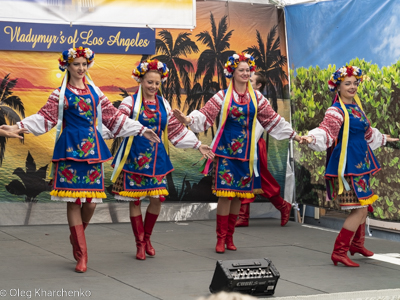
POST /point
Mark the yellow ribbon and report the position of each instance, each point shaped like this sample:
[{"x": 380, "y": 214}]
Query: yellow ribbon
[
  {"x": 343, "y": 152},
  {"x": 253, "y": 159},
  {"x": 137, "y": 104}
]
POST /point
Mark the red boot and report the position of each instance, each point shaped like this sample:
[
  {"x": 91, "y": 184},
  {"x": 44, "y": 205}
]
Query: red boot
[
  {"x": 342, "y": 245},
  {"x": 137, "y": 227},
  {"x": 74, "y": 246},
  {"x": 231, "y": 229},
  {"x": 243, "y": 220},
  {"x": 357, "y": 245},
  {"x": 78, "y": 237},
  {"x": 222, "y": 229},
  {"x": 149, "y": 222},
  {"x": 283, "y": 206}
]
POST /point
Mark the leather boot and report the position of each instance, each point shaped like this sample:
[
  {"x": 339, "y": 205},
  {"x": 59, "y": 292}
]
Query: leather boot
[
  {"x": 74, "y": 246},
  {"x": 138, "y": 231},
  {"x": 222, "y": 229},
  {"x": 231, "y": 229},
  {"x": 149, "y": 222},
  {"x": 342, "y": 245},
  {"x": 283, "y": 206},
  {"x": 357, "y": 245},
  {"x": 243, "y": 220},
  {"x": 78, "y": 236}
]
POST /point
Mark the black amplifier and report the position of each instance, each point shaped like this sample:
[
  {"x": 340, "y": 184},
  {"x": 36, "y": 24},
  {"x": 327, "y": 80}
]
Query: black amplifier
[{"x": 256, "y": 277}]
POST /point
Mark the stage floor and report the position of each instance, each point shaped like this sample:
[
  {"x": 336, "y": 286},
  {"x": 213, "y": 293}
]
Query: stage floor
[{"x": 37, "y": 261}]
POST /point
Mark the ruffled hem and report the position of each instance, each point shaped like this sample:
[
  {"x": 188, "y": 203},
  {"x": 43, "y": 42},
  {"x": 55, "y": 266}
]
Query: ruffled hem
[
  {"x": 123, "y": 198},
  {"x": 233, "y": 194},
  {"x": 350, "y": 207},
  {"x": 82, "y": 200},
  {"x": 77, "y": 194},
  {"x": 369, "y": 200},
  {"x": 140, "y": 194}
]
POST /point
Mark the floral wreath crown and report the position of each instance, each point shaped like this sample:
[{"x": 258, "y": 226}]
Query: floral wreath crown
[
  {"x": 150, "y": 64},
  {"x": 68, "y": 56},
  {"x": 235, "y": 59},
  {"x": 340, "y": 74}
]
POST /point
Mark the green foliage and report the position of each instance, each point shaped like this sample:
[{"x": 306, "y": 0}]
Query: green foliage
[{"x": 379, "y": 93}]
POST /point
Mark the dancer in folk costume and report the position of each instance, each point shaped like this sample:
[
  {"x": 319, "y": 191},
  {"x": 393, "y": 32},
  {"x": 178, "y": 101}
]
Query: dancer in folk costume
[
  {"x": 141, "y": 166},
  {"x": 269, "y": 185},
  {"x": 77, "y": 172},
  {"x": 351, "y": 163},
  {"x": 236, "y": 167}
]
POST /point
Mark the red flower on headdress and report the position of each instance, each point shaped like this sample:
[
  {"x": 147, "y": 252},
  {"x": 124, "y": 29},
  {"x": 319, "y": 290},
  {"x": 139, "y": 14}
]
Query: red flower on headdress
[
  {"x": 80, "y": 52},
  {"x": 350, "y": 71},
  {"x": 242, "y": 57},
  {"x": 153, "y": 65}
]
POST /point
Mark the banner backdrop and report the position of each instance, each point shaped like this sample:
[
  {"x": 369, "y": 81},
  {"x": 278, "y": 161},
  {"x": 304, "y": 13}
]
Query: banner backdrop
[
  {"x": 28, "y": 78},
  {"x": 57, "y": 38},
  {"x": 323, "y": 37},
  {"x": 119, "y": 13}
]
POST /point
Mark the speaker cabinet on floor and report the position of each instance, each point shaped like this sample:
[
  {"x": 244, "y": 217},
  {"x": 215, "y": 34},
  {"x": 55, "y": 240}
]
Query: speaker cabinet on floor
[{"x": 257, "y": 277}]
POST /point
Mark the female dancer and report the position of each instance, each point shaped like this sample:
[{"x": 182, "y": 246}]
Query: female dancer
[
  {"x": 351, "y": 162},
  {"x": 80, "y": 150},
  {"x": 236, "y": 169},
  {"x": 140, "y": 165},
  {"x": 271, "y": 188}
]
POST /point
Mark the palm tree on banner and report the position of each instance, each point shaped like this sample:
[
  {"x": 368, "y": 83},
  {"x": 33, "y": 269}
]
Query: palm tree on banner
[
  {"x": 213, "y": 59},
  {"x": 9, "y": 106},
  {"x": 269, "y": 60},
  {"x": 32, "y": 183},
  {"x": 171, "y": 53}
]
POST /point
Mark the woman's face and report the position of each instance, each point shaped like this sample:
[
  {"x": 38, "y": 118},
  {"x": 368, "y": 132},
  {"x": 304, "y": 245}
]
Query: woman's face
[
  {"x": 151, "y": 83},
  {"x": 242, "y": 73},
  {"x": 78, "y": 68},
  {"x": 348, "y": 87}
]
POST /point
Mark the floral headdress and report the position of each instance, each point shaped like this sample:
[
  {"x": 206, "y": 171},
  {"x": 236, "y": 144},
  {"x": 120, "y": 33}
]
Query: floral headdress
[
  {"x": 235, "y": 59},
  {"x": 68, "y": 56},
  {"x": 150, "y": 64},
  {"x": 340, "y": 74}
]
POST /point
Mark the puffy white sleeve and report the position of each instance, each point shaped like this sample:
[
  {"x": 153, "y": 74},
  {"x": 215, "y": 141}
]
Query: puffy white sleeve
[
  {"x": 178, "y": 134},
  {"x": 374, "y": 138},
  {"x": 45, "y": 119},
  {"x": 328, "y": 131},
  {"x": 118, "y": 122},
  {"x": 273, "y": 123},
  {"x": 201, "y": 120}
]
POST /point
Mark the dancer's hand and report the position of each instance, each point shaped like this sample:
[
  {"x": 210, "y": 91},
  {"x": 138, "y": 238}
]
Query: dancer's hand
[
  {"x": 151, "y": 136},
  {"x": 388, "y": 138},
  {"x": 206, "y": 151},
  {"x": 181, "y": 117},
  {"x": 12, "y": 131},
  {"x": 305, "y": 140},
  {"x": 297, "y": 138}
]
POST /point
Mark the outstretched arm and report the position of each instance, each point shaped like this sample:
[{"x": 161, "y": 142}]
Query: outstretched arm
[{"x": 12, "y": 131}]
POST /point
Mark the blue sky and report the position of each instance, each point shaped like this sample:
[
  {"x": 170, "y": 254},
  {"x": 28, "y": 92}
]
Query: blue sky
[{"x": 334, "y": 32}]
